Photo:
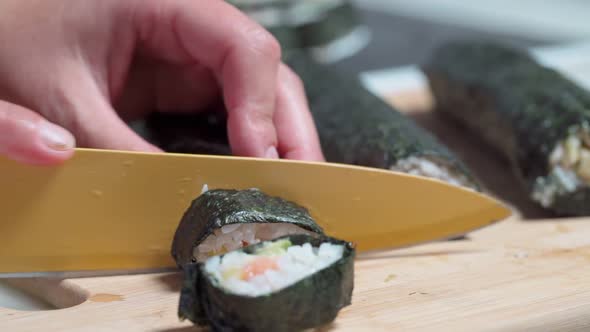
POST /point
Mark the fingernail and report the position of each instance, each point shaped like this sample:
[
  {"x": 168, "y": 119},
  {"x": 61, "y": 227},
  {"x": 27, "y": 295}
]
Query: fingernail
[
  {"x": 272, "y": 153},
  {"x": 55, "y": 137}
]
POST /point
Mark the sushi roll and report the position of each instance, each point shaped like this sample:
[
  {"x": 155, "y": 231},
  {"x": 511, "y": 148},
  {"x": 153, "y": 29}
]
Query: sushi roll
[
  {"x": 223, "y": 220},
  {"x": 535, "y": 117},
  {"x": 356, "y": 127},
  {"x": 291, "y": 283},
  {"x": 327, "y": 30}
]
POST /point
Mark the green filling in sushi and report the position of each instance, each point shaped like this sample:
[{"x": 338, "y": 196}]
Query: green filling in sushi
[{"x": 286, "y": 284}]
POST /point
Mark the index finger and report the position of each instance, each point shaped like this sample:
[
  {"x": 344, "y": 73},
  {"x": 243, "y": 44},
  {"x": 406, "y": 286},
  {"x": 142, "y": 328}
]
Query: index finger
[{"x": 243, "y": 56}]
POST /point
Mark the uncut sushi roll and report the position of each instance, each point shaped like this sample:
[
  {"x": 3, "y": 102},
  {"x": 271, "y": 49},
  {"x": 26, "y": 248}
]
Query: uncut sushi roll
[
  {"x": 223, "y": 220},
  {"x": 358, "y": 128},
  {"x": 292, "y": 283},
  {"x": 533, "y": 115}
]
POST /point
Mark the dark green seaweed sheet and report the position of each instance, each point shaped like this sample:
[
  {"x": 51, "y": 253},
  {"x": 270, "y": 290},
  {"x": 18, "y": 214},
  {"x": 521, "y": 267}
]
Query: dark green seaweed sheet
[
  {"x": 513, "y": 103},
  {"x": 312, "y": 302},
  {"x": 356, "y": 127},
  {"x": 219, "y": 207},
  {"x": 195, "y": 133}
]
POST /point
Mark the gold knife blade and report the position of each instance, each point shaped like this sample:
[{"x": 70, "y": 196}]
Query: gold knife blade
[{"x": 115, "y": 210}]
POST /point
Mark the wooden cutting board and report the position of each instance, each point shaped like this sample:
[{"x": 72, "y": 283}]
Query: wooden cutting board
[{"x": 529, "y": 273}]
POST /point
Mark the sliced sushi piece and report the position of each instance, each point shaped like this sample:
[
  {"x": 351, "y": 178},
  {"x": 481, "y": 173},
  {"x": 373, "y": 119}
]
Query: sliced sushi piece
[
  {"x": 533, "y": 115},
  {"x": 291, "y": 283},
  {"x": 223, "y": 220}
]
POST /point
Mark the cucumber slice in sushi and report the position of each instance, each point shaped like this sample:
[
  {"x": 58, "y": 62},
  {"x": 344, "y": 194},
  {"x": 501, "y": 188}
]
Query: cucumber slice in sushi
[
  {"x": 290, "y": 283},
  {"x": 533, "y": 115},
  {"x": 223, "y": 220}
]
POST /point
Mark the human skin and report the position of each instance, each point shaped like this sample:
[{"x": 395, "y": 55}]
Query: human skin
[{"x": 72, "y": 72}]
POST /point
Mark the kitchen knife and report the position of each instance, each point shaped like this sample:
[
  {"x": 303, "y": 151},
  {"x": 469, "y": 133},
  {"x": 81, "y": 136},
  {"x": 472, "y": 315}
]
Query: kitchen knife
[{"x": 112, "y": 210}]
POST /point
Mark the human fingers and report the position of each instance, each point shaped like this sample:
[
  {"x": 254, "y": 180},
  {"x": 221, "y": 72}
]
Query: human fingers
[
  {"x": 297, "y": 134},
  {"x": 27, "y": 137},
  {"x": 243, "y": 57}
]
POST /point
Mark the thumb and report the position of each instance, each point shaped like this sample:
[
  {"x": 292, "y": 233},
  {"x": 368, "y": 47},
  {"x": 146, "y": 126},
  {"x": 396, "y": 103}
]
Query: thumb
[{"x": 27, "y": 137}]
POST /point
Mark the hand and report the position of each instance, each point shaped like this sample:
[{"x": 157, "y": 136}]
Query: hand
[{"x": 75, "y": 71}]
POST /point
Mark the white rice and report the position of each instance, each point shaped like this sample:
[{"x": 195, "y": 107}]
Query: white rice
[
  {"x": 568, "y": 166},
  {"x": 293, "y": 264},
  {"x": 204, "y": 189},
  {"x": 560, "y": 181},
  {"x": 430, "y": 168},
  {"x": 235, "y": 236}
]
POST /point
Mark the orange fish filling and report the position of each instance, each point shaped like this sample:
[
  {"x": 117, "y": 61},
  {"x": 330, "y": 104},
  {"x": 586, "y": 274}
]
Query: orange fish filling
[{"x": 259, "y": 266}]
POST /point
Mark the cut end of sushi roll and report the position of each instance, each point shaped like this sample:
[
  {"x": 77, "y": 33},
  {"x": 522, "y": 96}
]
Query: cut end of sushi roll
[
  {"x": 220, "y": 220},
  {"x": 290, "y": 283},
  {"x": 429, "y": 167},
  {"x": 234, "y": 236},
  {"x": 270, "y": 267},
  {"x": 569, "y": 168}
]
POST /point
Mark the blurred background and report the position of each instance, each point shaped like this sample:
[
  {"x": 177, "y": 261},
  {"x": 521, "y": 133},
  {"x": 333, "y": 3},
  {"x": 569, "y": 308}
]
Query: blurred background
[
  {"x": 404, "y": 32},
  {"x": 384, "y": 40}
]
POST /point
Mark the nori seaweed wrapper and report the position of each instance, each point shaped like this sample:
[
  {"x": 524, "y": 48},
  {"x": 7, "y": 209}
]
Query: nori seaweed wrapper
[
  {"x": 356, "y": 127},
  {"x": 219, "y": 207},
  {"x": 516, "y": 105},
  {"x": 194, "y": 133},
  {"x": 311, "y": 302}
]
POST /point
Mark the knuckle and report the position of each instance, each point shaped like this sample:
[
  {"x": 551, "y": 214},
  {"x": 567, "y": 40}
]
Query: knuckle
[
  {"x": 293, "y": 78},
  {"x": 268, "y": 118},
  {"x": 264, "y": 43},
  {"x": 259, "y": 122},
  {"x": 262, "y": 118}
]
